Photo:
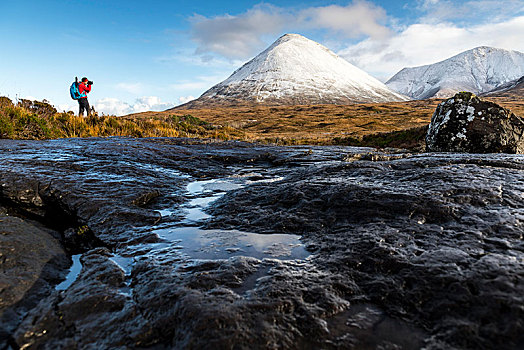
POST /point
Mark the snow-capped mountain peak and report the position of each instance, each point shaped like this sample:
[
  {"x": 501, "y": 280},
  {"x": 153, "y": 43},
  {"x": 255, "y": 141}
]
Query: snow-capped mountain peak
[
  {"x": 477, "y": 70},
  {"x": 295, "y": 70}
]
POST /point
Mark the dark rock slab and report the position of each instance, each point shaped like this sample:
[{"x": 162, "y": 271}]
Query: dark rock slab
[
  {"x": 409, "y": 251},
  {"x": 32, "y": 261},
  {"x": 465, "y": 123},
  {"x": 92, "y": 311},
  {"x": 433, "y": 240}
]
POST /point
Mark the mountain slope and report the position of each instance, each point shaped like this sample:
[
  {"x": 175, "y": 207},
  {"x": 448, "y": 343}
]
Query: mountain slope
[
  {"x": 295, "y": 70},
  {"x": 512, "y": 88},
  {"x": 478, "y": 70}
]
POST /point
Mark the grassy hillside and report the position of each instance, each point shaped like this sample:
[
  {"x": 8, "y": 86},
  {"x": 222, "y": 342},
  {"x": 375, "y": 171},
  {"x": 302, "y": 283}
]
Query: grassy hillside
[{"x": 39, "y": 120}]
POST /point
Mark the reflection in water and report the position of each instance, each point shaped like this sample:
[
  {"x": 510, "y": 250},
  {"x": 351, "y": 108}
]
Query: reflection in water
[
  {"x": 222, "y": 244},
  {"x": 74, "y": 271},
  {"x": 186, "y": 241},
  {"x": 125, "y": 263},
  {"x": 207, "y": 186}
]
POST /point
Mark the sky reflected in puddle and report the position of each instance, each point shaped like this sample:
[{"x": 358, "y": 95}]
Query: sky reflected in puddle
[
  {"x": 74, "y": 271},
  {"x": 222, "y": 244},
  {"x": 187, "y": 241}
]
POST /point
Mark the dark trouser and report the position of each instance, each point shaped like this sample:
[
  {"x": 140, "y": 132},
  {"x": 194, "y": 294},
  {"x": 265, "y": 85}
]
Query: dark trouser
[{"x": 84, "y": 105}]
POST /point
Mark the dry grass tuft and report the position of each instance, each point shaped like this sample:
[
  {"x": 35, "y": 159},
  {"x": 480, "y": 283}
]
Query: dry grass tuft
[{"x": 39, "y": 120}]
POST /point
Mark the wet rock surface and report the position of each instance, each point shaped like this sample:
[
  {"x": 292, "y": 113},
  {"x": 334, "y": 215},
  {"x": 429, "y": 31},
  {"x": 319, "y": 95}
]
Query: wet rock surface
[
  {"x": 31, "y": 262},
  {"x": 185, "y": 244},
  {"x": 465, "y": 123}
]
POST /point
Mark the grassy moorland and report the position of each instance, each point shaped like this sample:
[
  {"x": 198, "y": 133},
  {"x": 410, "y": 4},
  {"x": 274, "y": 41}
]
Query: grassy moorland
[
  {"x": 39, "y": 120},
  {"x": 396, "y": 124},
  {"x": 376, "y": 125}
]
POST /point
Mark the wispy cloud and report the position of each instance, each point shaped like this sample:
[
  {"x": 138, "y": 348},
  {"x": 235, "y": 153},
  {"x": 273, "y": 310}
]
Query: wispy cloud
[
  {"x": 236, "y": 36},
  {"x": 357, "y": 19},
  {"x": 134, "y": 88},
  {"x": 241, "y": 36},
  {"x": 187, "y": 56},
  {"x": 117, "y": 107},
  {"x": 437, "y": 11},
  {"x": 426, "y": 43},
  {"x": 198, "y": 83}
]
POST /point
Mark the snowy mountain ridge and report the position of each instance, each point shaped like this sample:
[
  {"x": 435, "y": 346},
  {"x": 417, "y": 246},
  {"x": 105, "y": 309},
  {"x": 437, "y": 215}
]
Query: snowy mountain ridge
[
  {"x": 479, "y": 70},
  {"x": 513, "y": 87},
  {"x": 295, "y": 70}
]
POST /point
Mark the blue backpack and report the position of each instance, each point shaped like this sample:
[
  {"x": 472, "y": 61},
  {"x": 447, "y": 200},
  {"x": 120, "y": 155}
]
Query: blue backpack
[{"x": 73, "y": 90}]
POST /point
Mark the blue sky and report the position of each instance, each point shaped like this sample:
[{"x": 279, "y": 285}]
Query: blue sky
[{"x": 151, "y": 55}]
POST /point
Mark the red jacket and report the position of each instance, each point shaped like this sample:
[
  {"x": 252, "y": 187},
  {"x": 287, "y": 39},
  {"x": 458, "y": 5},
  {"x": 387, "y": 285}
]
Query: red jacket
[{"x": 84, "y": 89}]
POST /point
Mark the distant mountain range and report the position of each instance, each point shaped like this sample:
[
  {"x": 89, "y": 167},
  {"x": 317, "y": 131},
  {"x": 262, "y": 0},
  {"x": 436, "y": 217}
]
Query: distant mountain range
[
  {"x": 479, "y": 70},
  {"x": 296, "y": 71}
]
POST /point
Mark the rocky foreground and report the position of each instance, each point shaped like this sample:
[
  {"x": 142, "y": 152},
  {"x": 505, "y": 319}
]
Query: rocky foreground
[{"x": 162, "y": 243}]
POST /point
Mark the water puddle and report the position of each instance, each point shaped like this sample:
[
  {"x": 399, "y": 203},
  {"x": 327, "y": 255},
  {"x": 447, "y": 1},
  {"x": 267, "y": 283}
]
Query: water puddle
[
  {"x": 74, "y": 271},
  {"x": 201, "y": 244},
  {"x": 166, "y": 212},
  {"x": 196, "y": 243},
  {"x": 210, "y": 186},
  {"x": 185, "y": 241},
  {"x": 125, "y": 263}
]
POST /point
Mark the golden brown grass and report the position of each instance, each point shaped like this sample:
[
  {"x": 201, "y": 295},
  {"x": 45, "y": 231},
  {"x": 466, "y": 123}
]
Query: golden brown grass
[
  {"x": 326, "y": 124},
  {"x": 513, "y": 102},
  {"x": 398, "y": 124},
  {"x": 39, "y": 120},
  {"x": 318, "y": 124}
]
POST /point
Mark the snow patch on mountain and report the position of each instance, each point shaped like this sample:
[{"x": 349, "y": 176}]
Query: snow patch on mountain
[
  {"x": 515, "y": 86},
  {"x": 478, "y": 70},
  {"x": 295, "y": 70}
]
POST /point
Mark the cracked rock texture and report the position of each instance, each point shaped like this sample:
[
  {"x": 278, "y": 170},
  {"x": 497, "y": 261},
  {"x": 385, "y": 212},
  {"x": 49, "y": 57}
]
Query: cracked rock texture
[
  {"x": 465, "y": 123},
  {"x": 407, "y": 251}
]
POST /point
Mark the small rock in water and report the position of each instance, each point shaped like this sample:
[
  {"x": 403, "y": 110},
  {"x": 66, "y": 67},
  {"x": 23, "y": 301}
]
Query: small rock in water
[
  {"x": 232, "y": 250},
  {"x": 465, "y": 123}
]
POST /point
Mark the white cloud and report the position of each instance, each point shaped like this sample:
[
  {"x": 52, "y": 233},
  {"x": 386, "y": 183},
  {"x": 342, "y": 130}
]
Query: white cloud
[
  {"x": 436, "y": 11},
  {"x": 184, "y": 99},
  {"x": 360, "y": 18},
  {"x": 113, "y": 106},
  {"x": 236, "y": 36},
  {"x": 421, "y": 44},
  {"x": 201, "y": 83},
  {"x": 206, "y": 61},
  {"x": 190, "y": 85},
  {"x": 150, "y": 103},
  {"x": 67, "y": 107},
  {"x": 242, "y": 36}
]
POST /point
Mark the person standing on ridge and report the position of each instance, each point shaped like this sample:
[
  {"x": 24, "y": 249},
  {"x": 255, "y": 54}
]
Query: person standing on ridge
[{"x": 84, "y": 88}]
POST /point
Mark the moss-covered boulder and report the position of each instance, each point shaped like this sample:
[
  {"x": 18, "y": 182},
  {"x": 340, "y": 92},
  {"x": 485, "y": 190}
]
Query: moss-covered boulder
[{"x": 465, "y": 123}]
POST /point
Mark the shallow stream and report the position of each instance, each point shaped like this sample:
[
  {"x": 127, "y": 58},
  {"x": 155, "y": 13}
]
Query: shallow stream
[{"x": 184, "y": 241}]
